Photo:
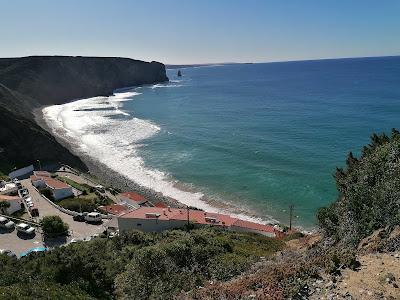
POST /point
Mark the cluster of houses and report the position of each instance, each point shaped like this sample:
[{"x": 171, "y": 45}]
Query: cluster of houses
[{"x": 135, "y": 212}]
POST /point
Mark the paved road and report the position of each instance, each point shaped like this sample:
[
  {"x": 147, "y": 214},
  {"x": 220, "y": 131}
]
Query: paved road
[
  {"x": 18, "y": 243},
  {"x": 78, "y": 229}
]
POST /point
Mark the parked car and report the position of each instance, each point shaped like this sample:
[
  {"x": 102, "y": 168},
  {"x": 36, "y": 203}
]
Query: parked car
[
  {"x": 6, "y": 223},
  {"x": 79, "y": 217},
  {"x": 24, "y": 192},
  {"x": 25, "y": 228},
  {"x": 7, "y": 252},
  {"x": 100, "y": 188},
  {"x": 93, "y": 217}
]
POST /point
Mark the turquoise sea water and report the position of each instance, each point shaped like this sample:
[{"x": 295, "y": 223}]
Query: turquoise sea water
[
  {"x": 269, "y": 135},
  {"x": 258, "y": 136}
]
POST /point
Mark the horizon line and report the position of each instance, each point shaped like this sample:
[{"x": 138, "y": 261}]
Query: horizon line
[
  {"x": 211, "y": 63},
  {"x": 282, "y": 61}
]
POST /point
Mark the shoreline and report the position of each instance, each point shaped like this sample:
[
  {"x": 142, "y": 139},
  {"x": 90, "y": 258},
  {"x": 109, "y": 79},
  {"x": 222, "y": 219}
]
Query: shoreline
[
  {"x": 115, "y": 179},
  {"x": 102, "y": 171}
]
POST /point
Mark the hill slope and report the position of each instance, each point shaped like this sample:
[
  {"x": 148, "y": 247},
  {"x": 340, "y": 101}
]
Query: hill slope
[{"x": 30, "y": 82}]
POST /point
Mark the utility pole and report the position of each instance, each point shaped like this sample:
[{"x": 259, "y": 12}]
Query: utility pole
[
  {"x": 40, "y": 165},
  {"x": 188, "y": 220},
  {"x": 290, "y": 216}
]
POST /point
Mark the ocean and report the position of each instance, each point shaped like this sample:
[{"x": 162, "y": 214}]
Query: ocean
[{"x": 247, "y": 139}]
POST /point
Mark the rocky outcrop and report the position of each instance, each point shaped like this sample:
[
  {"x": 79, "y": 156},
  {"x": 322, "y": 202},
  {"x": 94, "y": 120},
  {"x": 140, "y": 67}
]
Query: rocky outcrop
[{"x": 30, "y": 82}]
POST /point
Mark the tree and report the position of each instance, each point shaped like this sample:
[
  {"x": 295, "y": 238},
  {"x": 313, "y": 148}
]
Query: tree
[
  {"x": 3, "y": 206},
  {"x": 53, "y": 226},
  {"x": 369, "y": 192}
]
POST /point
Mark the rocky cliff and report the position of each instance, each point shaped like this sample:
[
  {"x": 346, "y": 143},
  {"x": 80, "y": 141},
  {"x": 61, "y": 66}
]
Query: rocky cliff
[{"x": 30, "y": 82}]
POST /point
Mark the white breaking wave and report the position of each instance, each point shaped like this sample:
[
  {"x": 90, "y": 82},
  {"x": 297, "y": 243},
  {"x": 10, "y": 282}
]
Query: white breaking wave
[
  {"x": 99, "y": 128},
  {"x": 165, "y": 86}
]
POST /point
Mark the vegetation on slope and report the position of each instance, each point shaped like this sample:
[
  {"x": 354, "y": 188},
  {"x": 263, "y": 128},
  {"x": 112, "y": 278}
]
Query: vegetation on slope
[
  {"x": 369, "y": 190},
  {"x": 205, "y": 264},
  {"x": 135, "y": 265}
]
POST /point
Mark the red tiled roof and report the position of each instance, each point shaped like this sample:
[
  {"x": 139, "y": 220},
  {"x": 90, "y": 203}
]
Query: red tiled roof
[
  {"x": 255, "y": 226},
  {"x": 9, "y": 198},
  {"x": 114, "y": 209},
  {"x": 51, "y": 182},
  {"x": 160, "y": 205},
  {"x": 134, "y": 196},
  {"x": 195, "y": 216},
  {"x": 34, "y": 178},
  {"x": 54, "y": 183}
]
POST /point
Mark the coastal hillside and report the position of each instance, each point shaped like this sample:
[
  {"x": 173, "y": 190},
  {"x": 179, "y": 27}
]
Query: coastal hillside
[
  {"x": 28, "y": 83},
  {"x": 354, "y": 255}
]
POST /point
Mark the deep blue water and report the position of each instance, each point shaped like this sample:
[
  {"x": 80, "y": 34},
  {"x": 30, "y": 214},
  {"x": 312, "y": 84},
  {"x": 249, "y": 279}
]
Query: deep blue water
[{"x": 265, "y": 136}]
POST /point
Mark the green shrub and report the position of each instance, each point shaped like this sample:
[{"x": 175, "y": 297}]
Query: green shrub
[
  {"x": 138, "y": 265},
  {"x": 78, "y": 204},
  {"x": 54, "y": 226},
  {"x": 369, "y": 191}
]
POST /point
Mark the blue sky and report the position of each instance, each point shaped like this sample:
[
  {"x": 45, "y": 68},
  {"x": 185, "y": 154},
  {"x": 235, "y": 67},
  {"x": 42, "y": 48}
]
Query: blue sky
[{"x": 201, "y": 31}]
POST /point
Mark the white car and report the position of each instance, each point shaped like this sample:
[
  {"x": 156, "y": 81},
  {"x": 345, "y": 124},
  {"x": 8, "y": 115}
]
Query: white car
[
  {"x": 6, "y": 223},
  {"x": 93, "y": 217},
  {"x": 25, "y": 228}
]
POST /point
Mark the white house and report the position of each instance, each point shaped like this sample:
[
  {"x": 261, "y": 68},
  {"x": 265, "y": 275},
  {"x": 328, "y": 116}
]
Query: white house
[
  {"x": 15, "y": 203},
  {"x": 59, "y": 189},
  {"x": 155, "y": 219}
]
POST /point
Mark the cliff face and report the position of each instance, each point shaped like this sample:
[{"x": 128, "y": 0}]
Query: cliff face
[
  {"x": 30, "y": 82},
  {"x": 56, "y": 79}
]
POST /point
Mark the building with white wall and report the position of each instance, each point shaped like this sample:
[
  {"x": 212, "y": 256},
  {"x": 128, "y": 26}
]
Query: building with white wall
[
  {"x": 58, "y": 189},
  {"x": 155, "y": 219},
  {"x": 14, "y": 201}
]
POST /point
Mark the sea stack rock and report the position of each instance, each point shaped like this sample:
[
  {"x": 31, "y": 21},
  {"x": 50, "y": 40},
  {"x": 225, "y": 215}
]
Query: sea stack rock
[{"x": 179, "y": 73}]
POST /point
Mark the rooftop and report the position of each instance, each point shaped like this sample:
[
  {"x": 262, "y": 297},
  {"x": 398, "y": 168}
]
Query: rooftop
[
  {"x": 195, "y": 216},
  {"x": 51, "y": 182},
  {"x": 9, "y": 198},
  {"x": 134, "y": 196},
  {"x": 160, "y": 205},
  {"x": 41, "y": 173},
  {"x": 114, "y": 209}
]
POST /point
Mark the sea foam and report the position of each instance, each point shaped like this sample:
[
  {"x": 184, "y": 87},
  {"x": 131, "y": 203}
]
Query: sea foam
[{"x": 98, "y": 127}]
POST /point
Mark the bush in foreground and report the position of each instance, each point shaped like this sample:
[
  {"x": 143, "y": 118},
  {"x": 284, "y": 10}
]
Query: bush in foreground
[
  {"x": 137, "y": 265},
  {"x": 369, "y": 192},
  {"x": 54, "y": 226}
]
